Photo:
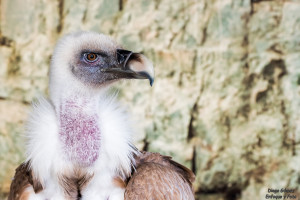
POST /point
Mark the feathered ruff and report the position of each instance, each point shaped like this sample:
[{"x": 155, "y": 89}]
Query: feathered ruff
[{"x": 45, "y": 155}]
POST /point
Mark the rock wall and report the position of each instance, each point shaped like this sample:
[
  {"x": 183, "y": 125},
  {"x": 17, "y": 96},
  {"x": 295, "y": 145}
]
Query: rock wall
[{"x": 226, "y": 99}]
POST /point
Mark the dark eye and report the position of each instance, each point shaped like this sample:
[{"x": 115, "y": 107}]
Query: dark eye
[{"x": 90, "y": 57}]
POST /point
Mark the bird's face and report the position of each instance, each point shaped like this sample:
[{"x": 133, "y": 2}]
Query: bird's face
[{"x": 96, "y": 60}]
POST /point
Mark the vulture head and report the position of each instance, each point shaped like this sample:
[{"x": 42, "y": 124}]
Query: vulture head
[{"x": 88, "y": 61}]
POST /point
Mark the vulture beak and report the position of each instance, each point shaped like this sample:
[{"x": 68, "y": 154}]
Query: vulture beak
[{"x": 132, "y": 66}]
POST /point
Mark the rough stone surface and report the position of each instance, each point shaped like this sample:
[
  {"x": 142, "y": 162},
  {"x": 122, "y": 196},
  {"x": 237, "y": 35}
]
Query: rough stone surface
[{"x": 226, "y": 99}]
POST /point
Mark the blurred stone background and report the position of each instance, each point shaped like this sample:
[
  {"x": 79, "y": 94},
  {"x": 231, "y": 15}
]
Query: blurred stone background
[{"x": 226, "y": 99}]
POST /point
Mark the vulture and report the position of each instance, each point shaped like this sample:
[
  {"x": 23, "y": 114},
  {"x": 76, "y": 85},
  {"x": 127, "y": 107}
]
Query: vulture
[{"x": 79, "y": 141}]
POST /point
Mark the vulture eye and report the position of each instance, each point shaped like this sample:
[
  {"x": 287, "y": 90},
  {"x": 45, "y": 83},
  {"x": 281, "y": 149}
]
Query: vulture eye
[{"x": 90, "y": 57}]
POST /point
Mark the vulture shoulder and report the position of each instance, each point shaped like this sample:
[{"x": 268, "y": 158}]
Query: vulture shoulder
[
  {"x": 23, "y": 183},
  {"x": 158, "y": 177}
]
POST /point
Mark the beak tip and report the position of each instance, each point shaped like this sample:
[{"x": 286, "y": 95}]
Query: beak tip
[
  {"x": 151, "y": 80},
  {"x": 146, "y": 75}
]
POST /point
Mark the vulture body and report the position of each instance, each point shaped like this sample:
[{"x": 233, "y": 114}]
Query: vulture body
[{"x": 79, "y": 140}]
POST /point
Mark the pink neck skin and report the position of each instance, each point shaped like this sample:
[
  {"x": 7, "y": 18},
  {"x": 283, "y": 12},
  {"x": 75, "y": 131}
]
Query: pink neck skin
[{"x": 79, "y": 130}]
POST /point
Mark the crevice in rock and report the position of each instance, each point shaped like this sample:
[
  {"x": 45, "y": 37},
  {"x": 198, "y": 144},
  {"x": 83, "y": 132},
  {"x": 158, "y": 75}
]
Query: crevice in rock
[
  {"x": 157, "y": 3},
  {"x": 84, "y": 16},
  {"x": 233, "y": 193},
  {"x": 5, "y": 41},
  {"x": 259, "y": 141},
  {"x": 13, "y": 64},
  {"x": 248, "y": 80},
  {"x": 212, "y": 190},
  {"x": 61, "y": 15},
  {"x": 275, "y": 47},
  {"x": 287, "y": 143},
  {"x": 191, "y": 131},
  {"x": 194, "y": 111},
  {"x": 194, "y": 63},
  {"x": 194, "y": 166},
  {"x": 228, "y": 193},
  {"x": 227, "y": 124},
  {"x": 204, "y": 36},
  {"x": 180, "y": 78},
  {"x": 121, "y": 5},
  {"x": 274, "y": 71},
  {"x": 26, "y": 102},
  {"x": 298, "y": 80},
  {"x": 204, "y": 30},
  {"x": 261, "y": 96}
]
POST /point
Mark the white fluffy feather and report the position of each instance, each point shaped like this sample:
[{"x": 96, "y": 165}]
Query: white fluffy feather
[{"x": 47, "y": 158}]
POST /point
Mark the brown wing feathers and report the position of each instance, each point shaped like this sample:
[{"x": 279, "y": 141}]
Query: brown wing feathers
[
  {"x": 188, "y": 175},
  {"x": 24, "y": 183},
  {"x": 160, "y": 178},
  {"x": 22, "y": 180},
  {"x": 148, "y": 157}
]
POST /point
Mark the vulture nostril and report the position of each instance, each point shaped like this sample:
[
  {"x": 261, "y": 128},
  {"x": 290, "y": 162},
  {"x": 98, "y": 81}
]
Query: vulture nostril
[
  {"x": 123, "y": 56},
  {"x": 120, "y": 58}
]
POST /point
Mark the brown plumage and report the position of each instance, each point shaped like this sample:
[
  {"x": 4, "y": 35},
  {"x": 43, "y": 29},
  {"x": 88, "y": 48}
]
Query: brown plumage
[
  {"x": 158, "y": 177},
  {"x": 23, "y": 183},
  {"x": 74, "y": 183}
]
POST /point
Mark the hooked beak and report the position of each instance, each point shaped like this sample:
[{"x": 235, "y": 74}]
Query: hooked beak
[{"x": 132, "y": 66}]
